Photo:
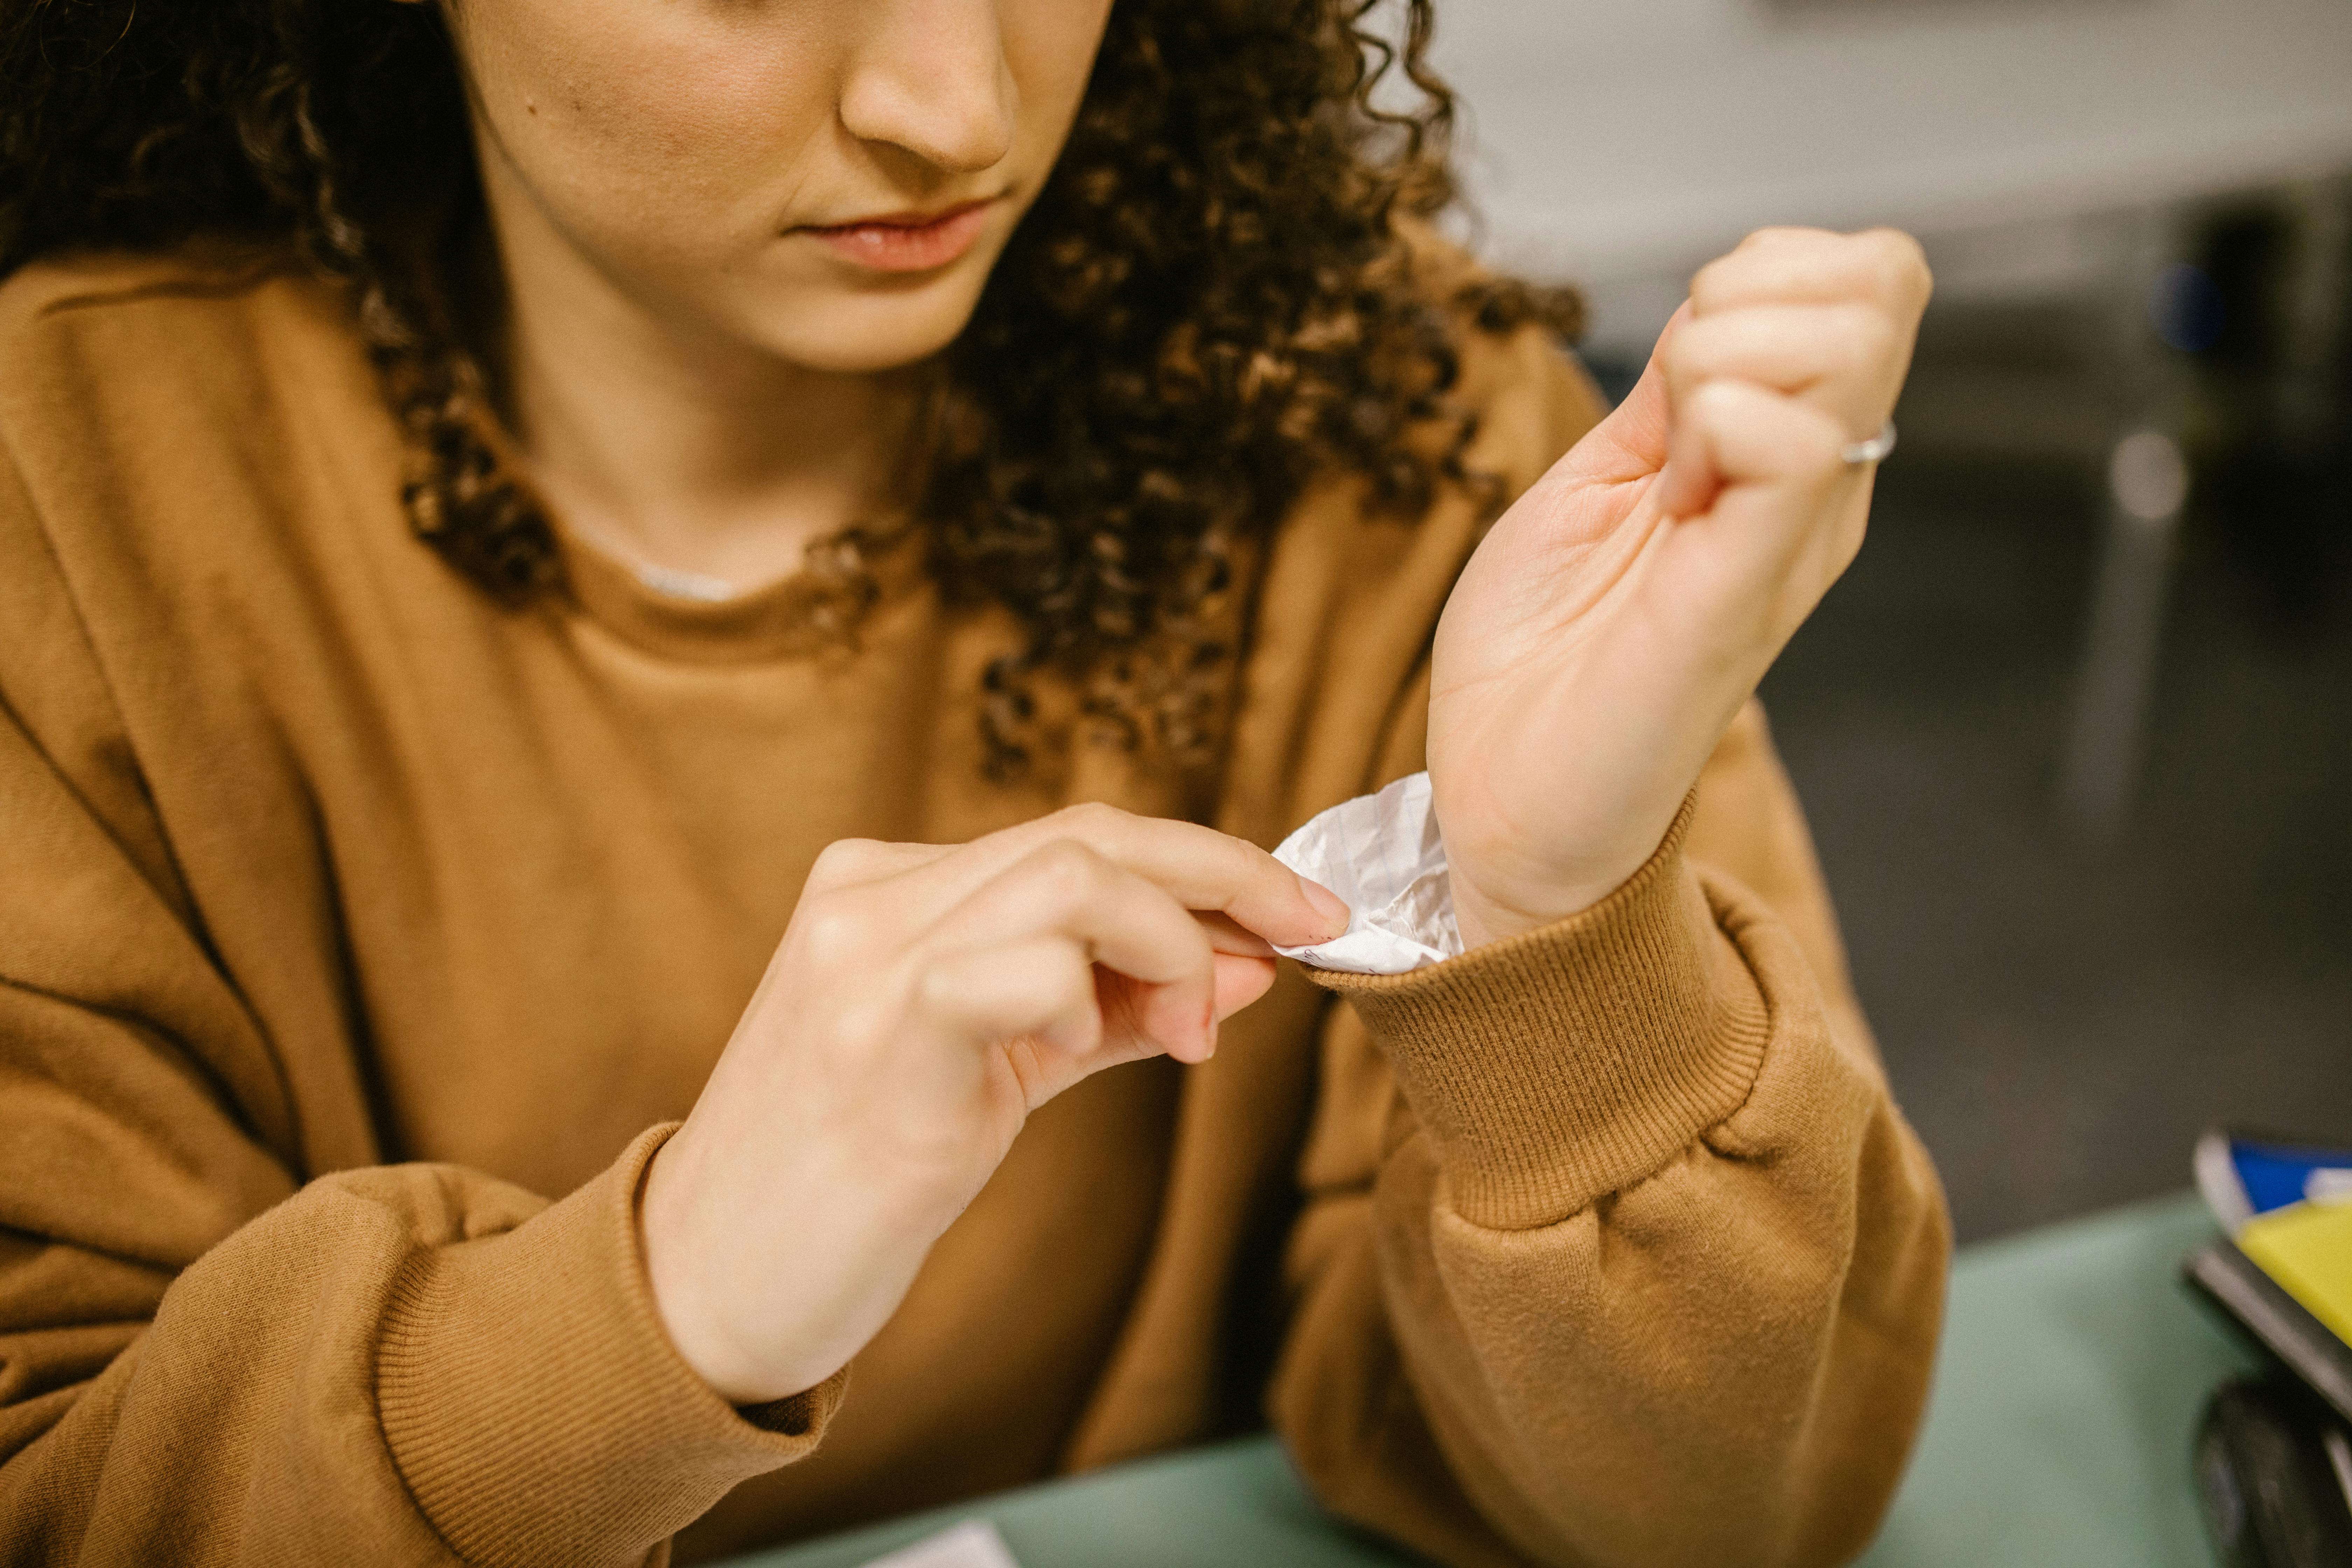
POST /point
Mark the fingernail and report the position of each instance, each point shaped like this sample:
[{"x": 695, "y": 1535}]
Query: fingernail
[{"x": 1327, "y": 904}]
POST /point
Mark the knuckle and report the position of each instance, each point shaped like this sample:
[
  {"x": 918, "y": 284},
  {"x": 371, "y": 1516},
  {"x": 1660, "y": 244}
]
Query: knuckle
[
  {"x": 1090, "y": 816},
  {"x": 1900, "y": 261},
  {"x": 1066, "y": 869},
  {"x": 938, "y": 985},
  {"x": 1710, "y": 282},
  {"x": 1691, "y": 351},
  {"x": 1714, "y": 402},
  {"x": 1249, "y": 860},
  {"x": 830, "y": 927},
  {"x": 1905, "y": 250},
  {"x": 846, "y": 860}
]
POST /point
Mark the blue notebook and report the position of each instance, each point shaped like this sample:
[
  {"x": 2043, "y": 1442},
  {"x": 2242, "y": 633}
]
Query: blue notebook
[{"x": 2242, "y": 1176}]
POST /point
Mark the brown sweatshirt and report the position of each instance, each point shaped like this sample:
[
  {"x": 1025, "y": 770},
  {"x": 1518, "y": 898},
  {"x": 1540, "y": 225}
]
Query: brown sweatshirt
[{"x": 359, "y": 941}]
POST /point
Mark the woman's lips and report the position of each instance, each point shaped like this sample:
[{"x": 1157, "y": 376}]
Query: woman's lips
[{"x": 906, "y": 242}]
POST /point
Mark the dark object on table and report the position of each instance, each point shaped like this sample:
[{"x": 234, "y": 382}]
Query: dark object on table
[
  {"x": 2275, "y": 1474},
  {"x": 2256, "y": 1303}
]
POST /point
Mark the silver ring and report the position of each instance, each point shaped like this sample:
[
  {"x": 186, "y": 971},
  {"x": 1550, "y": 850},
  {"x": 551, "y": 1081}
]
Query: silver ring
[{"x": 1864, "y": 453}]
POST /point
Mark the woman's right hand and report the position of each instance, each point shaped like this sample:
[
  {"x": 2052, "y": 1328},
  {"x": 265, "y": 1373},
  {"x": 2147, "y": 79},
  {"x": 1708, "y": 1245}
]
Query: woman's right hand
[{"x": 924, "y": 1001}]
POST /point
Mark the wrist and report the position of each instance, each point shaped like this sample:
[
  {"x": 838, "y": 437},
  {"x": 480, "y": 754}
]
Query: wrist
[
  {"x": 1507, "y": 881},
  {"x": 1482, "y": 919},
  {"x": 666, "y": 1226},
  {"x": 763, "y": 1295},
  {"x": 1488, "y": 909}
]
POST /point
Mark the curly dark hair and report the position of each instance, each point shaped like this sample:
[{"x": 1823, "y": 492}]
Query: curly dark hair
[{"x": 1214, "y": 301}]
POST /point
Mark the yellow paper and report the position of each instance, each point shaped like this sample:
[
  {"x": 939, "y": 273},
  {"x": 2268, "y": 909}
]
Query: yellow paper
[{"x": 2307, "y": 1248}]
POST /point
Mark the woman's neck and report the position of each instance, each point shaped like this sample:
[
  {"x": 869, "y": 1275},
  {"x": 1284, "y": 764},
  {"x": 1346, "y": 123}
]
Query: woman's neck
[{"x": 677, "y": 448}]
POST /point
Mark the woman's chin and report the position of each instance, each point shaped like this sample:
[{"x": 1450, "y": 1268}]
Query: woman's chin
[{"x": 866, "y": 331}]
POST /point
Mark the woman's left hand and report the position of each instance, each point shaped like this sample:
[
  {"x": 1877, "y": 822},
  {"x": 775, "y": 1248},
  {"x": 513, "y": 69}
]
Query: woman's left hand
[{"x": 1617, "y": 616}]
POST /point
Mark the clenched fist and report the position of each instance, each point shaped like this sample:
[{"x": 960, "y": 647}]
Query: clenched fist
[{"x": 1615, "y": 618}]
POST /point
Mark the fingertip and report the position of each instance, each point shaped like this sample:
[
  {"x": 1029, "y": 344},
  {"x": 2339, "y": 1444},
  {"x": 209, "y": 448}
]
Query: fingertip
[
  {"x": 1327, "y": 905},
  {"x": 1198, "y": 1045},
  {"x": 1242, "y": 981}
]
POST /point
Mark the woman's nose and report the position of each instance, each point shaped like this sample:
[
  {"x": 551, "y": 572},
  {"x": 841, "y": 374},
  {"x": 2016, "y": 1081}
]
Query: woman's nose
[{"x": 932, "y": 77}]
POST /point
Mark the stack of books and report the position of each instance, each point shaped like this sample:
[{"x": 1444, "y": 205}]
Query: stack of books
[{"x": 2274, "y": 1454}]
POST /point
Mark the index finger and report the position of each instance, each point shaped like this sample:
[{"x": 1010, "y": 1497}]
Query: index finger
[{"x": 1199, "y": 867}]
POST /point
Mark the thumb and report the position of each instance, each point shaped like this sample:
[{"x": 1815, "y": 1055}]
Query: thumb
[{"x": 1635, "y": 440}]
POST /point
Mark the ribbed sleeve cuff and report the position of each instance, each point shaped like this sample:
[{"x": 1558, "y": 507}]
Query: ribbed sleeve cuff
[
  {"x": 1558, "y": 1065},
  {"x": 533, "y": 1401}
]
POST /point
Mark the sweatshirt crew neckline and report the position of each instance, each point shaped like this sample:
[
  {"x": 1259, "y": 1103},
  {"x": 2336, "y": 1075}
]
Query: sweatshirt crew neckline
[{"x": 796, "y": 616}]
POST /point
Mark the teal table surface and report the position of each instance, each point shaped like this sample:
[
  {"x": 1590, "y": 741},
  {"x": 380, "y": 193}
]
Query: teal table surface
[{"x": 2073, "y": 1371}]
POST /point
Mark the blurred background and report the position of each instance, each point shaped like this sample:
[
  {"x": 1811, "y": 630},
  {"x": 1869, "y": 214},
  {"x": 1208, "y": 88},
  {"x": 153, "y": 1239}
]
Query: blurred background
[{"x": 2075, "y": 733}]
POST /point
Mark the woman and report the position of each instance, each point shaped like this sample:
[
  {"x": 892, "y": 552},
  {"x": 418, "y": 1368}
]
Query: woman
[{"x": 522, "y": 518}]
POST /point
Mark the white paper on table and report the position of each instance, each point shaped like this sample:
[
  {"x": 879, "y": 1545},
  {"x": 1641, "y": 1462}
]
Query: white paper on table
[
  {"x": 974, "y": 1543},
  {"x": 1382, "y": 854}
]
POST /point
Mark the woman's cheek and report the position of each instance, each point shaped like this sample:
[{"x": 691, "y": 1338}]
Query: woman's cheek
[
  {"x": 1051, "y": 45},
  {"x": 655, "y": 127}
]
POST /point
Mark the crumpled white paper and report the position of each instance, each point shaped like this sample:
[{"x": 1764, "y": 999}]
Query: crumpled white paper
[{"x": 1382, "y": 855}]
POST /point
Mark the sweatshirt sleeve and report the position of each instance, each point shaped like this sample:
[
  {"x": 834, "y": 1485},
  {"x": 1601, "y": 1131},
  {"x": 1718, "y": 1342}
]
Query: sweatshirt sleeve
[
  {"x": 205, "y": 1356},
  {"x": 1616, "y": 1249}
]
